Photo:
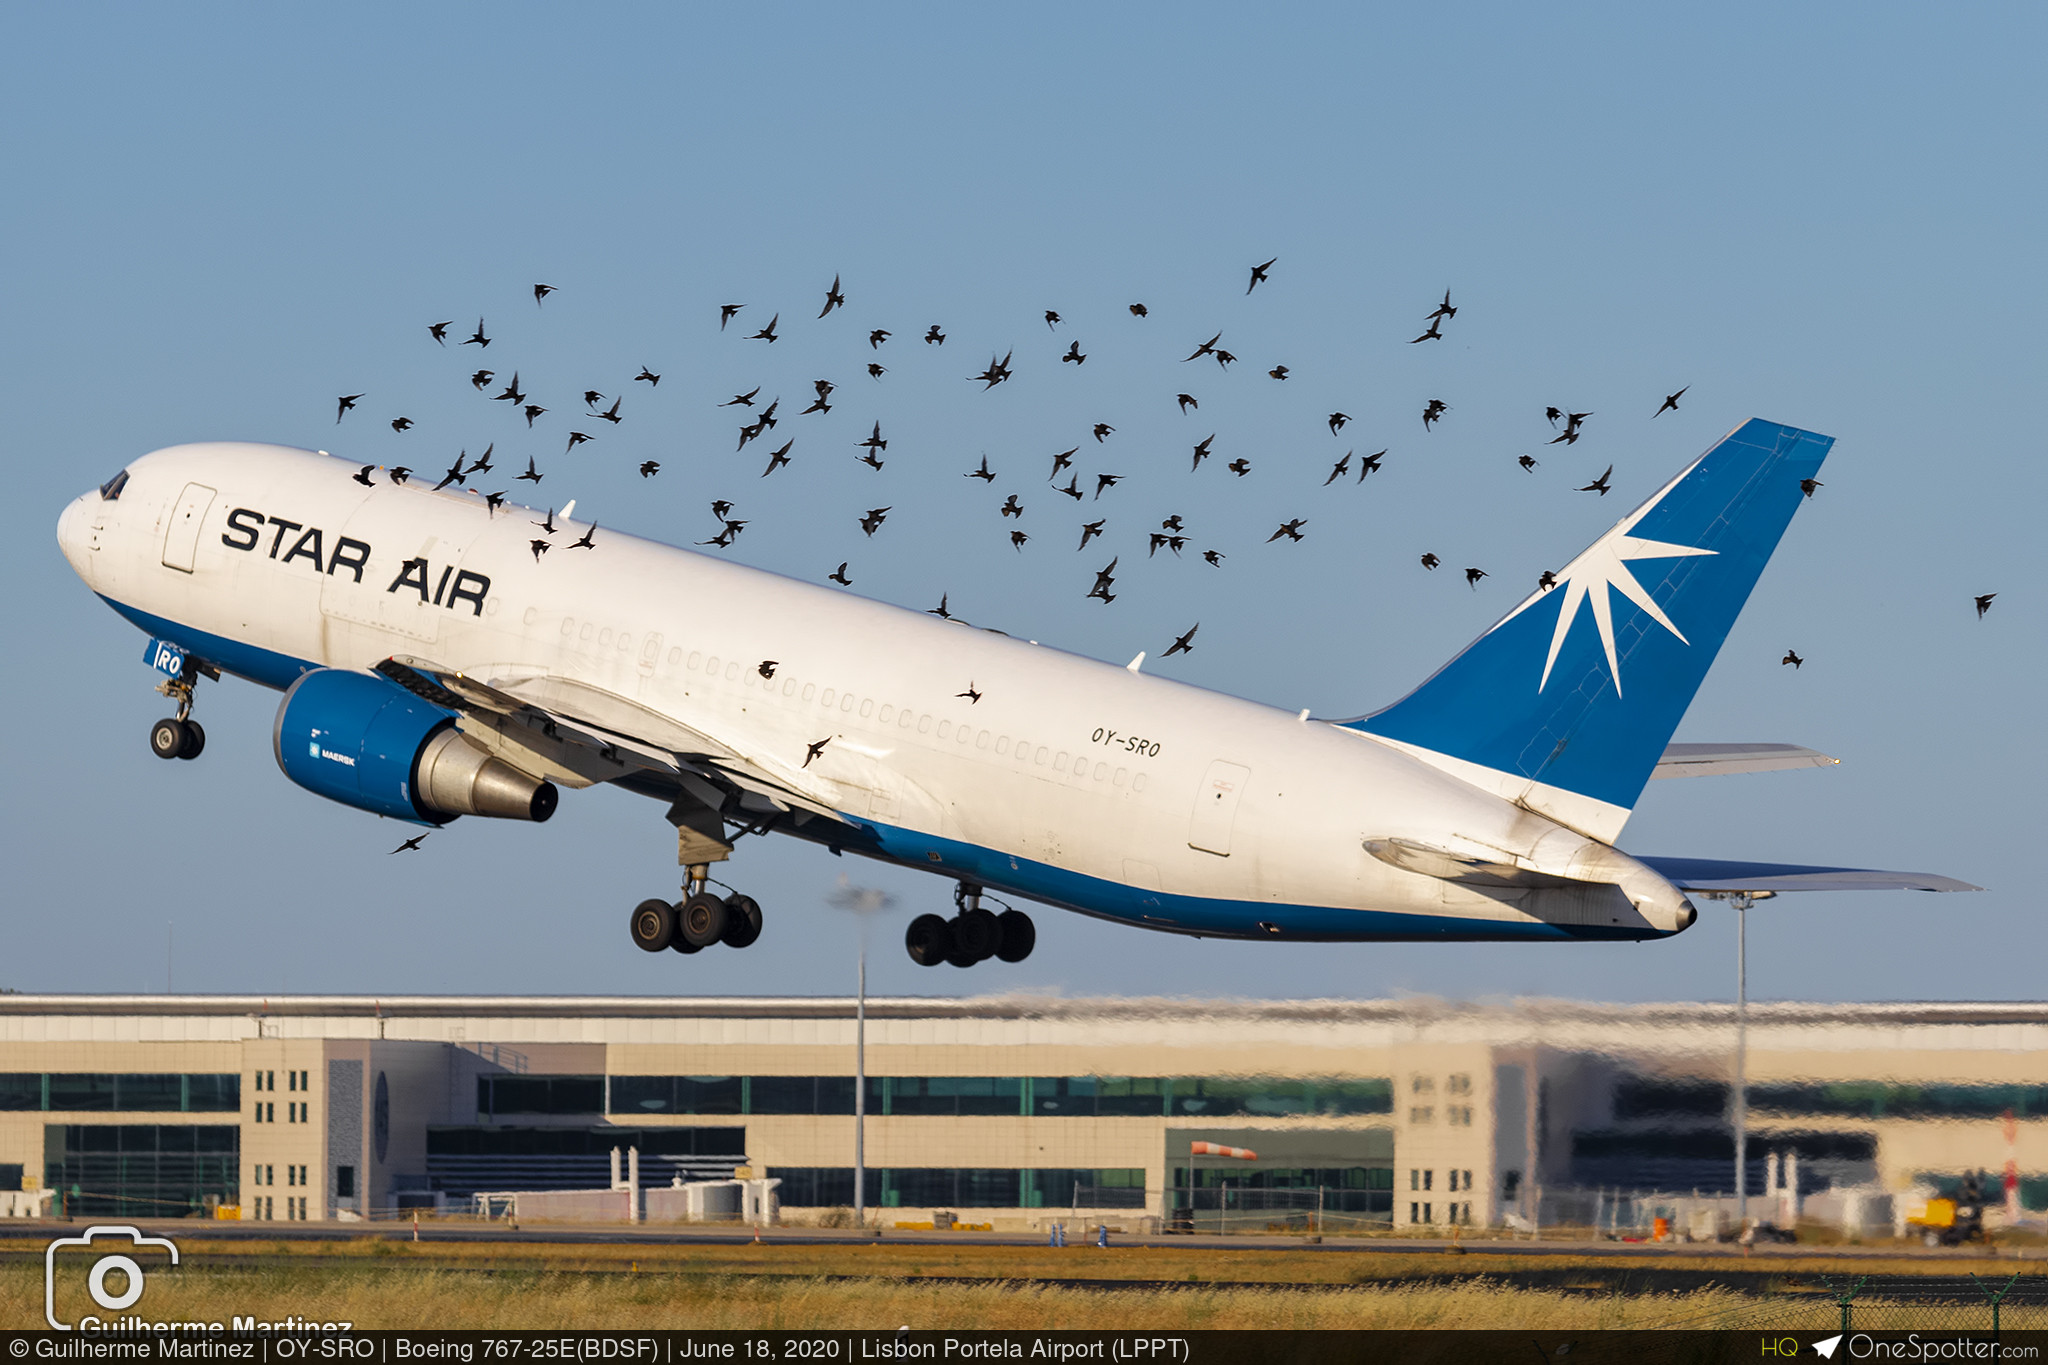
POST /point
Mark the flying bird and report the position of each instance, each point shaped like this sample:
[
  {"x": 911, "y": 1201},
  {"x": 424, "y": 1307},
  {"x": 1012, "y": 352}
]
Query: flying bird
[
  {"x": 1214, "y": 558},
  {"x": 1369, "y": 464},
  {"x": 1186, "y": 401},
  {"x": 818, "y": 404},
  {"x": 481, "y": 378},
  {"x": 1472, "y": 577},
  {"x": 738, "y": 400},
  {"x": 1444, "y": 309},
  {"x": 576, "y": 438},
  {"x": 1012, "y": 508},
  {"x": 493, "y": 501},
  {"x": 455, "y": 473},
  {"x": 1572, "y": 422},
  {"x": 1074, "y": 355},
  {"x": 1202, "y": 449},
  {"x": 1807, "y": 486},
  {"x": 1546, "y": 580},
  {"x": 766, "y": 668},
  {"x": 875, "y": 441},
  {"x": 1072, "y": 488},
  {"x": 1184, "y": 644},
  {"x": 343, "y": 404},
  {"x": 1527, "y": 462},
  {"x": 611, "y": 414},
  {"x": 1138, "y": 310},
  {"x": 1290, "y": 529},
  {"x": 547, "y": 525},
  {"x": 1017, "y": 539},
  {"x": 1103, "y": 481},
  {"x": 833, "y": 298},
  {"x": 777, "y": 459},
  {"x": 1435, "y": 332},
  {"x": 815, "y": 749},
  {"x": 531, "y": 475},
  {"x": 838, "y": 576},
  {"x": 940, "y": 610},
  {"x": 1225, "y": 359},
  {"x": 972, "y": 694},
  {"x": 477, "y": 338},
  {"x": 541, "y": 291},
  {"x": 511, "y": 393},
  {"x": 440, "y": 330},
  {"x": 1670, "y": 403},
  {"x": 1206, "y": 348},
  {"x": 871, "y": 460},
  {"x": 585, "y": 541},
  {"x": 877, "y": 337},
  {"x": 1599, "y": 485},
  {"x": 362, "y": 476},
  {"x": 1052, "y": 319},
  {"x": 1104, "y": 581},
  {"x": 1337, "y": 421},
  {"x": 876, "y": 369},
  {"x": 1089, "y": 531},
  {"x": 539, "y": 548},
  {"x": 872, "y": 522},
  {"x": 1553, "y": 414},
  {"x": 1430, "y": 561},
  {"x": 767, "y": 333},
  {"x": 399, "y": 473},
  {"x": 1278, "y": 372},
  {"x": 649, "y": 468},
  {"x": 1984, "y": 603},
  {"x": 983, "y": 472},
  {"x": 996, "y": 373},
  {"x": 1239, "y": 467},
  {"x": 1434, "y": 412},
  {"x": 647, "y": 375},
  {"x": 1102, "y": 429},
  {"x": 483, "y": 461},
  {"x": 1339, "y": 470},
  {"x": 1792, "y": 658},
  {"x": 933, "y": 336},
  {"x": 532, "y": 411},
  {"x": 1172, "y": 523},
  {"x": 401, "y": 424},
  {"x": 411, "y": 845},
  {"x": 1259, "y": 274},
  {"x": 726, "y": 313},
  {"x": 1061, "y": 461}
]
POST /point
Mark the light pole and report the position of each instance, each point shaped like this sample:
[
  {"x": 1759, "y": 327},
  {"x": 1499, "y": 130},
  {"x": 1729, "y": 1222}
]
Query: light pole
[
  {"x": 1738, "y": 1111},
  {"x": 863, "y": 901}
]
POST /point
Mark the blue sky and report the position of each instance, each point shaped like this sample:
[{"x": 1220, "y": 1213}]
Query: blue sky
[{"x": 222, "y": 217}]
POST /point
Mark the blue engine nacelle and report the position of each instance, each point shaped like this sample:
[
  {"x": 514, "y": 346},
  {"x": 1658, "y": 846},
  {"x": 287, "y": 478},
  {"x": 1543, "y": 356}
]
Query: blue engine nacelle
[{"x": 364, "y": 741}]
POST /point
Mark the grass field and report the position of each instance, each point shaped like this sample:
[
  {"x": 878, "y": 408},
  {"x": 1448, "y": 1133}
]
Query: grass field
[{"x": 376, "y": 1282}]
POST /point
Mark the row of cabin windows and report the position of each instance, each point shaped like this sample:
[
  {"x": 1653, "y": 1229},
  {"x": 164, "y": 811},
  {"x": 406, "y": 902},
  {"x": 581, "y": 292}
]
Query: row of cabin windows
[{"x": 903, "y": 718}]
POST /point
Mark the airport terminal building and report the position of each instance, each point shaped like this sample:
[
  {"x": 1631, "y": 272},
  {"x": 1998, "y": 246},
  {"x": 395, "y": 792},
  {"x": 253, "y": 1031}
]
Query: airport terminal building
[{"x": 1012, "y": 1110}]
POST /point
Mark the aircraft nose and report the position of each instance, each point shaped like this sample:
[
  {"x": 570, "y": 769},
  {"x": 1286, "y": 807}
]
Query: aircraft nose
[{"x": 74, "y": 535}]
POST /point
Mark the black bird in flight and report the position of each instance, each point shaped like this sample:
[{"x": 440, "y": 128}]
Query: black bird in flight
[
  {"x": 1052, "y": 319},
  {"x": 1792, "y": 658},
  {"x": 1807, "y": 486},
  {"x": 1444, "y": 309},
  {"x": 440, "y": 330},
  {"x": 539, "y": 548},
  {"x": 1158, "y": 541},
  {"x": 1186, "y": 401},
  {"x": 871, "y": 460},
  {"x": 1277, "y": 372},
  {"x": 478, "y": 380},
  {"x": 532, "y": 410},
  {"x": 1527, "y": 462},
  {"x": 611, "y": 414},
  {"x": 1072, "y": 488},
  {"x": 1435, "y": 332},
  {"x": 483, "y": 461},
  {"x": 511, "y": 393},
  {"x": 1430, "y": 561},
  {"x": 1012, "y": 508},
  {"x": 541, "y": 291},
  {"x": 1572, "y": 422},
  {"x": 401, "y": 424},
  {"x": 984, "y": 473},
  {"x": 973, "y": 694},
  {"x": 1184, "y": 644},
  {"x": 649, "y": 468},
  {"x": 833, "y": 298},
  {"x": 1239, "y": 466},
  {"x": 1089, "y": 531},
  {"x": 343, "y": 404},
  {"x": 872, "y": 522},
  {"x": 1104, "y": 581},
  {"x": 1337, "y": 421},
  {"x": 1202, "y": 449},
  {"x": 1984, "y": 603},
  {"x": 493, "y": 501},
  {"x": 1138, "y": 310},
  {"x": 1214, "y": 558},
  {"x": 585, "y": 541},
  {"x": 1670, "y": 403},
  {"x": 777, "y": 459},
  {"x": 455, "y": 473},
  {"x": 1224, "y": 359},
  {"x": 720, "y": 508},
  {"x": 477, "y": 338},
  {"x": 940, "y": 610},
  {"x": 726, "y": 313},
  {"x": 1339, "y": 470},
  {"x": 876, "y": 369},
  {"x": 1370, "y": 464},
  {"x": 1259, "y": 274},
  {"x": 738, "y": 400},
  {"x": 996, "y": 373},
  {"x": 1103, "y": 481},
  {"x": 766, "y": 668},
  {"x": 933, "y": 336},
  {"x": 818, "y": 404},
  {"x": 411, "y": 845},
  {"x": 1599, "y": 485},
  {"x": 1103, "y": 429},
  {"x": 815, "y": 749},
  {"x": 576, "y": 438},
  {"x": 824, "y": 387},
  {"x": 1434, "y": 412},
  {"x": 1172, "y": 523},
  {"x": 1073, "y": 355},
  {"x": 877, "y": 337},
  {"x": 1472, "y": 577},
  {"x": 363, "y": 476},
  {"x": 875, "y": 441},
  {"x": 838, "y": 576},
  {"x": 767, "y": 333},
  {"x": 1553, "y": 414},
  {"x": 1206, "y": 348},
  {"x": 1061, "y": 461},
  {"x": 549, "y": 524},
  {"x": 648, "y": 375},
  {"x": 531, "y": 475},
  {"x": 727, "y": 534},
  {"x": 1546, "y": 580},
  {"x": 1017, "y": 539},
  {"x": 1290, "y": 529}
]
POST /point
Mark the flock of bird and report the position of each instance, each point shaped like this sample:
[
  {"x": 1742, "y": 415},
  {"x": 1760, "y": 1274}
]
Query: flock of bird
[{"x": 760, "y": 422}]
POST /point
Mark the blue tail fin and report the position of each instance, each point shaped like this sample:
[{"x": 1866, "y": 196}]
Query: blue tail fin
[{"x": 1579, "y": 688}]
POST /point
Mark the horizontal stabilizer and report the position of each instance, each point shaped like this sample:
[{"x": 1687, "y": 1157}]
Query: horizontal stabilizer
[
  {"x": 1706, "y": 760},
  {"x": 1717, "y": 874}
]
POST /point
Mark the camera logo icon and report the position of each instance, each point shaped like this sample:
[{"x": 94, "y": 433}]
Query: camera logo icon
[{"x": 108, "y": 1272}]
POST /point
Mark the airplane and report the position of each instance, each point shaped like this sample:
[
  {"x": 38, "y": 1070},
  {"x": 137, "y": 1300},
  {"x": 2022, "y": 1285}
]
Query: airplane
[{"x": 433, "y": 664}]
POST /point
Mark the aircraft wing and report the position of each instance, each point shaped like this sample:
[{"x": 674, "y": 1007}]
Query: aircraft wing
[
  {"x": 585, "y": 734},
  {"x": 1705, "y": 760},
  {"x": 1717, "y": 874}
]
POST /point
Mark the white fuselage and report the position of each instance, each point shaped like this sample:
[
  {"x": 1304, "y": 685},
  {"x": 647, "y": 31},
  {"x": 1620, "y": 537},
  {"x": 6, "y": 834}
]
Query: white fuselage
[{"x": 1071, "y": 781}]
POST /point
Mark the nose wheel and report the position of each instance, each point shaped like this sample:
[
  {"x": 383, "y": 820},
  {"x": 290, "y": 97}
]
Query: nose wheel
[
  {"x": 701, "y": 919},
  {"x": 179, "y": 736},
  {"x": 974, "y": 934}
]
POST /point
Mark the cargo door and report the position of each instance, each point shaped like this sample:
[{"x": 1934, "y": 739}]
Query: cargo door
[
  {"x": 1216, "y": 807},
  {"x": 181, "y": 538}
]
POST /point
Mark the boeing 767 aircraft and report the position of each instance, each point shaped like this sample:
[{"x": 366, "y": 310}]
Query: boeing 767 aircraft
[{"x": 437, "y": 660}]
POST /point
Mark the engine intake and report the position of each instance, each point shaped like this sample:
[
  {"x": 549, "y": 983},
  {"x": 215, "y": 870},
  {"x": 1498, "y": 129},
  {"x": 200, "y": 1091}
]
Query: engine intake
[{"x": 360, "y": 739}]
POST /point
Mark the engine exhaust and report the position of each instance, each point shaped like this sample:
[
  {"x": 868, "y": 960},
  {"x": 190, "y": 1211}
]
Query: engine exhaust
[{"x": 454, "y": 776}]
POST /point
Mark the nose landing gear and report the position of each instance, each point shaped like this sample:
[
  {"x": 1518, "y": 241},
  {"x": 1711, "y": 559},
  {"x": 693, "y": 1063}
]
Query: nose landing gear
[
  {"x": 179, "y": 736},
  {"x": 973, "y": 934}
]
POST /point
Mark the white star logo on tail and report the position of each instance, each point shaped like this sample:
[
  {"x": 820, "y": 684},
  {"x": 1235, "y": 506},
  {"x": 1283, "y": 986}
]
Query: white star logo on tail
[{"x": 1603, "y": 565}]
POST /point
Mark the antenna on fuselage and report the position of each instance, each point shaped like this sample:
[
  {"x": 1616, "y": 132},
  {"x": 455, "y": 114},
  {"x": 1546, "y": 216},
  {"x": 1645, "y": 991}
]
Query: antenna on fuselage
[{"x": 1133, "y": 664}]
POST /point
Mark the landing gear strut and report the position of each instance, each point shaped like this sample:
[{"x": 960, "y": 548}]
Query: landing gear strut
[
  {"x": 179, "y": 736},
  {"x": 973, "y": 934},
  {"x": 697, "y": 921}
]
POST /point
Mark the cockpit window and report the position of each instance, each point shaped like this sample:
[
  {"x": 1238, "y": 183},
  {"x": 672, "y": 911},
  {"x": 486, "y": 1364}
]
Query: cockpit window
[{"x": 111, "y": 489}]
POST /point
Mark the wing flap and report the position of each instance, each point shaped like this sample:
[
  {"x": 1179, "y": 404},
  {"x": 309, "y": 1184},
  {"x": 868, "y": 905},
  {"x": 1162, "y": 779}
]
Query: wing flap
[
  {"x": 1706, "y": 760},
  {"x": 1718, "y": 874}
]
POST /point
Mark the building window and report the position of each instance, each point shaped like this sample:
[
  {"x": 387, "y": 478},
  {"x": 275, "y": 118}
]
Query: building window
[
  {"x": 344, "y": 1182},
  {"x": 1421, "y": 1114},
  {"x": 1510, "y": 1185},
  {"x": 1422, "y": 1085},
  {"x": 1458, "y": 1115},
  {"x": 1459, "y": 1084}
]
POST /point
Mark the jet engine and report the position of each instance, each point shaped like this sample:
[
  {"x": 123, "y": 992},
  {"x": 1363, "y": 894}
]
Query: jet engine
[{"x": 362, "y": 740}]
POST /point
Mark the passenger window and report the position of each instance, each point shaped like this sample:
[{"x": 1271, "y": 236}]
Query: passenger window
[
  {"x": 696, "y": 658},
  {"x": 828, "y": 697},
  {"x": 867, "y": 708},
  {"x": 924, "y": 725},
  {"x": 888, "y": 714}
]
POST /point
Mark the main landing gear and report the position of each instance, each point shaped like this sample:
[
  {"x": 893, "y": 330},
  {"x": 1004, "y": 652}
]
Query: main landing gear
[
  {"x": 972, "y": 935},
  {"x": 701, "y": 918},
  {"x": 179, "y": 736}
]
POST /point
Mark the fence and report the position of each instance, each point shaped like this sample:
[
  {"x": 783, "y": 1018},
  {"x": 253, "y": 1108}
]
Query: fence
[
  {"x": 1970, "y": 1304},
  {"x": 1230, "y": 1208}
]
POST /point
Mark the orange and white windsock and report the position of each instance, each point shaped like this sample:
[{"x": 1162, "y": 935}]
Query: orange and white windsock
[{"x": 1218, "y": 1149}]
